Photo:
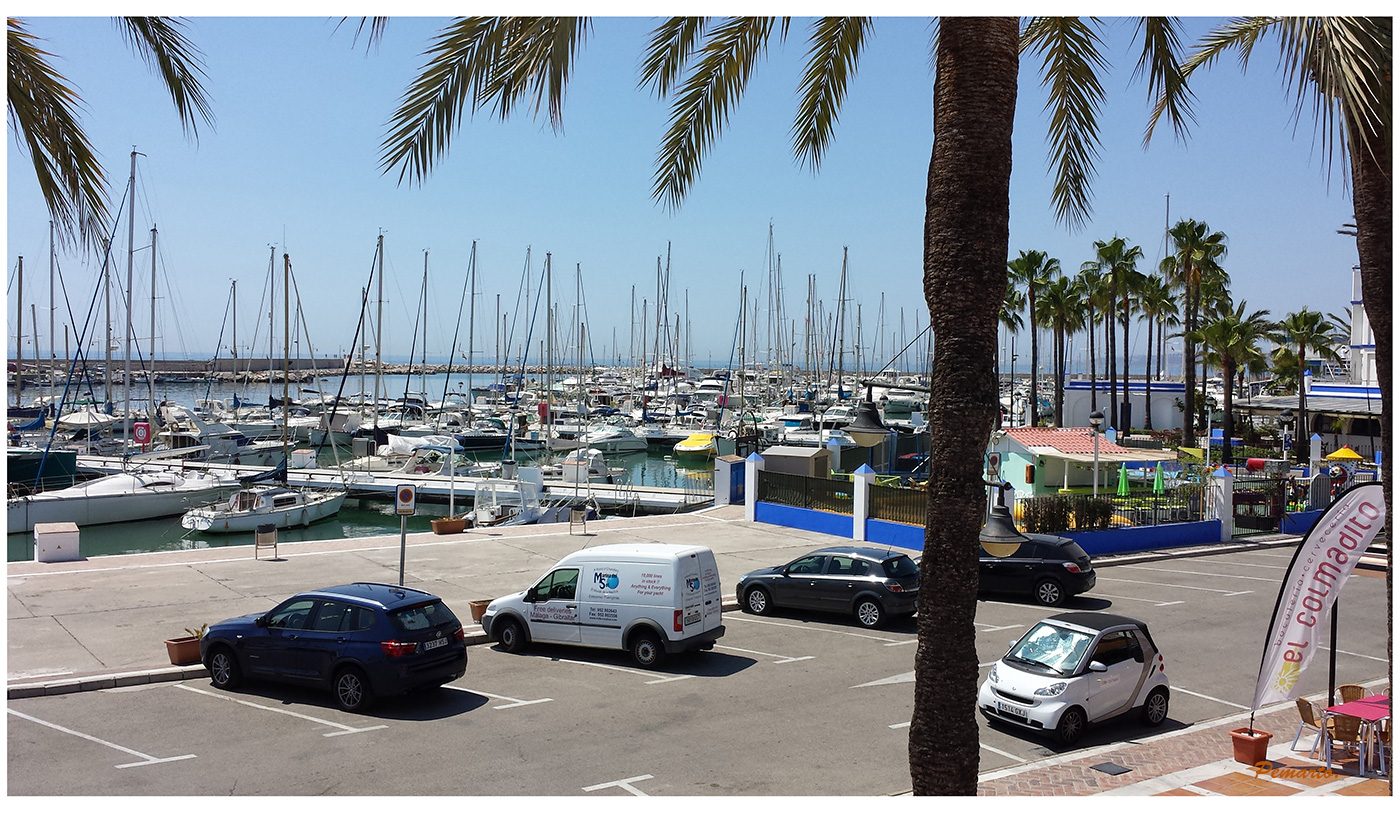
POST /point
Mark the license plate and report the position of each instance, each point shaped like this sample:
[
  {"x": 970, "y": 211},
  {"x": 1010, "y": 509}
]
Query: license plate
[
  {"x": 1014, "y": 711},
  {"x": 434, "y": 644}
]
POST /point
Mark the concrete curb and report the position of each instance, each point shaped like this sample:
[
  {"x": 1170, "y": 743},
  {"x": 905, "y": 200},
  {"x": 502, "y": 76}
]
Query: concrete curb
[{"x": 92, "y": 683}]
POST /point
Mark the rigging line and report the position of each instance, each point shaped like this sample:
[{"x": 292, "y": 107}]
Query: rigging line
[
  {"x": 315, "y": 370},
  {"x": 467, "y": 279},
  {"x": 212, "y": 363},
  {"x": 413, "y": 346},
  {"x": 92, "y": 307},
  {"x": 524, "y": 357},
  {"x": 350, "y": 357}
]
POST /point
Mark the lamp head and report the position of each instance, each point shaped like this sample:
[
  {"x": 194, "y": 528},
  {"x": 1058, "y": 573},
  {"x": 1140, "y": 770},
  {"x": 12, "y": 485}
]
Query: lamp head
[
  {"x": 1096, "y": 419},
  {"x": 867, "y": 429}
]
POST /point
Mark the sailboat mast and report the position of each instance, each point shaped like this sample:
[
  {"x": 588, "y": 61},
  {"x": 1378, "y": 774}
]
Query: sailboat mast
[
  {"x": 53, "y": 370},
  {"x": 549, "y": 348},
  {"x": 19, "y": 337},
  {"x": 423, "y": 354},
  {"x": 151, "y": 377},
  {"x": 471, "y": 329},
  {"x": 286, "y": 346},
  {"x": 379, "y": 331},
  {"x": 234, "y": 294},
  {"x": 130, "y": 262}
]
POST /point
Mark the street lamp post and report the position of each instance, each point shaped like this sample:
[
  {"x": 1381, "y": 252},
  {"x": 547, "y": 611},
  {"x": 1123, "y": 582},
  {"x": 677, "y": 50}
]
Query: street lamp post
[{"x": 1096, "y": 421}]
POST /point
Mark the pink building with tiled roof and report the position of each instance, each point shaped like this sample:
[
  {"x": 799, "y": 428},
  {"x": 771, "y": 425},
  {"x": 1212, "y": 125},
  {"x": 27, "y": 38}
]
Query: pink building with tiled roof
[{"x": 1038, "y": 460}]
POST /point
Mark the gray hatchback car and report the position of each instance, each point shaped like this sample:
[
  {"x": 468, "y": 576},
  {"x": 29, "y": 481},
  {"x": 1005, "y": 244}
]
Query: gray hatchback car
[{"x": 871, "y": 584}]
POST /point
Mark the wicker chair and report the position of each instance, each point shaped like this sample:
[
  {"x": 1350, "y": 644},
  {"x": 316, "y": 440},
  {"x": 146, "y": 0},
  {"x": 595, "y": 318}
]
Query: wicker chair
[
  {"x": 1345, "y": 731},
  {"x": 1310, "y": 718},
  {"x": 1348, "y": 692}
]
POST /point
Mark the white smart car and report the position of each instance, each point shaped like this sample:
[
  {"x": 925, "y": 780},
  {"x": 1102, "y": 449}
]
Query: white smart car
[{"x": 1074, "y": 669}]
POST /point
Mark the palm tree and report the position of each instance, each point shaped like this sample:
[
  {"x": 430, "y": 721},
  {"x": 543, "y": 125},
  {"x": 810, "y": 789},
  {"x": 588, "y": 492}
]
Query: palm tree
[
  {"x": 1195, "y": 258},
  {"x": 1341, "y": 68},
  {"x": 1157, "y": 304},
  {"x": 1010, "y": 318},
  {"x": 43, "y": 110},
  {"x": 1033, "y": 269},
  {"x": 1118, "y": 261},
  {"x": 495, "y": 63},
  {"x": 1232, "y": 339},
  {"x": 1091, "y": 290},
  {"x": 1062, "y": 309},
  {"x": 1302, "y": 331}
]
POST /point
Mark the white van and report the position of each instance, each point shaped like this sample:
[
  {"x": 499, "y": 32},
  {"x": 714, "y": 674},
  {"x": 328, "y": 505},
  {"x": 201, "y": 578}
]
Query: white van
[{"x": 650, "y": 599}]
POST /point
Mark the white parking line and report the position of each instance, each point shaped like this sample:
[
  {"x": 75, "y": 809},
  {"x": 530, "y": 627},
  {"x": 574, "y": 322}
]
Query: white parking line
[
  {"x": 1200, "y": 573},
  {"x": 815, "y": 629},
  {"x": 1007, "y": 627},
  {"x": 513, "y": 702},
  {"x": 625, "y": 784},
  {"x": 1002, "y": 753},
  {"x": 1208, "y": 697},
  {"x": 781, "y": 658},
  {"x": 1355, "y": 654},
  {"x": 1179, "y": 586},
  {"x": 344, "y": 729},
  {"x": 1154, "y": 602},
  {"x": 616, "y": 669},
  {"x": 146, "y": 759}
]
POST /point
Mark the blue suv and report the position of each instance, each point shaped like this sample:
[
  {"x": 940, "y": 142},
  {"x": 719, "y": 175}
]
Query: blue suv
[{"x": 360, "y": 640}]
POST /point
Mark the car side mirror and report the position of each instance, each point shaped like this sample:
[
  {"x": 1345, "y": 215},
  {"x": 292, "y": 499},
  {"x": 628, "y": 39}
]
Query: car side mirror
[
  {"x": 260, "y": 621},
  {"x": 1097, "y": 666}
]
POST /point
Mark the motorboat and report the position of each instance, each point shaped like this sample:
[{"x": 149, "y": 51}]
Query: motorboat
[
  {"x": 120, "y": 497},
  {"x": 508, "y": 501},
  {"x": 248, "y": 508},
  {"x": 699, "y": 443}
]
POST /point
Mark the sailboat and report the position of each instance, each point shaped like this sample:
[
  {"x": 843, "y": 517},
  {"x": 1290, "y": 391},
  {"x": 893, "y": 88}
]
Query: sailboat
[
  {"x": 256, "y": 504},
  {"x": 123, "y": 497}
]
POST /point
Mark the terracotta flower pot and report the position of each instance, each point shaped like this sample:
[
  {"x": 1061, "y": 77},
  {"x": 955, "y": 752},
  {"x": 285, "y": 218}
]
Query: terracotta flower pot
[
  {"x": 479, "y": 608},
  {"x": 184, "y": 651},
  {"x": 1250, "y": 749},
  {"x": 449, "y": 526}
]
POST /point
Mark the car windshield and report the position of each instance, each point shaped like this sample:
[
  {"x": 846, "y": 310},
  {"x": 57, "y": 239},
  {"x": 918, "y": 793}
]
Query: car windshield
[
  {"x": 1053, "y": 647},
  {"x": 900, "y": 566}
]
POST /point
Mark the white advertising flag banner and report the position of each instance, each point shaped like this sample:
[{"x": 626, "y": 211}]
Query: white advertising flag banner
[{"x": 1320, "y": 568}]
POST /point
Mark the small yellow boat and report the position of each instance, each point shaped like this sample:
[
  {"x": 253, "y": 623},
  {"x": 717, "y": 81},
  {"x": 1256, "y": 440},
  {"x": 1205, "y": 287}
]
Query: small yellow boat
[{"x": 699, "y": 443}]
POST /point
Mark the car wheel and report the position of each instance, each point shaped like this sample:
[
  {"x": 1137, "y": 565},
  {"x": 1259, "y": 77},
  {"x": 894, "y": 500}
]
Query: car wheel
[
  {"x": 352, "y": 691},
  {"x": 1049, "y": 592},
  {"x": 1154, "y": 711},
  {"x": 511, "y": 636},
  {"x": 869, "y": 614},
  {"x": 1070, "y": 727},
  {"x": 223, "y": 668},
  {"x": 758, "y": 602},
  {"x": 647, "y": 650}
]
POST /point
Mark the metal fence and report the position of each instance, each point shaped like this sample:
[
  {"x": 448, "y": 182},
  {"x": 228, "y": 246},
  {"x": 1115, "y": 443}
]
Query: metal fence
[
  {"x": 806, "y": 492},
  {"x": 1053, "y": 513},
  {"x": 906, "y": 505}
]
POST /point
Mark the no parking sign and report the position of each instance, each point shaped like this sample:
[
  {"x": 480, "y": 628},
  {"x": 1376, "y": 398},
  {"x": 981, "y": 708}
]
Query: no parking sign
[
  {"x": 993, "y": 464},
  {"x": 405, "y": 500}
]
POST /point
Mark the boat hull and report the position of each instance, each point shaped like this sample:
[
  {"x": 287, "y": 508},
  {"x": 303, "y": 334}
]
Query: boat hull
[
  {"x": 99, "y": 509},
  {"x": 229, "y": 522}
]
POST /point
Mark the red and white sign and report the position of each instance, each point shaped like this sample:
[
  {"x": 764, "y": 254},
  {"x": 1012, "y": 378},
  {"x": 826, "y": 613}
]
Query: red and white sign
[
  {"x": 1324, "y": 561},
  {"x": 141, "y": 432},
  {"x": 405, "y": 500}
]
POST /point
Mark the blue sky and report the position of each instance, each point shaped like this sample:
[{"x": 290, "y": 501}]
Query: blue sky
[{"x": 293, "y": 160}]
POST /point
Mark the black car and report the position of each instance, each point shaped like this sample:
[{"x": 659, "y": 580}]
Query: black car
[
  {"x": 1048, "y": 568},
  {"x": 870, "y": 583},
  {"x": 361, "y": 640}
]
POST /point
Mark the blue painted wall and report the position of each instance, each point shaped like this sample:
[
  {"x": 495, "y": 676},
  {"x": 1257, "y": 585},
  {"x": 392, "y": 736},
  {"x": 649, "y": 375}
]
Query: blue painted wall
[
  {"x": 1147, "y": 537},
  {"x": 1299, "y": 523},
  {"x": 807, "y": 519},
  {"x": 884, "y": 532}
]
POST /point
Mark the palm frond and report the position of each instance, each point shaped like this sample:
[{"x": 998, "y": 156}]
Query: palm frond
[
  {"x": 702, "y": 107},
  {"x": 835, "y": 48},
  {"x": 1070, "y": 48},
  {"x": 163, "y": 46},
  {"x": 43, "y": 114},
  {"x": 1161, "y": 61},
  {"x": 476, "y": 62},
  {"x": 372, "y": 27},
  {"x": 670, "y": 48}
]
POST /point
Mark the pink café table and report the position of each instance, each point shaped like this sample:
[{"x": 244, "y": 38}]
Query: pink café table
[{"x": 1370, "y": 710}]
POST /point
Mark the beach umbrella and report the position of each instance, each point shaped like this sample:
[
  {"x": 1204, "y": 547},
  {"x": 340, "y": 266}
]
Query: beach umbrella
[
  {"x": 1157, "y": 487},
  {"x": 1122, "y": 479}
]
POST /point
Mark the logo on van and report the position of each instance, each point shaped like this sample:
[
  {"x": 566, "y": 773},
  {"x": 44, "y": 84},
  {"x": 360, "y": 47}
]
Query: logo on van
[
  {"x": 605, "y": 580},
  {"x": 692, "y": 583}
]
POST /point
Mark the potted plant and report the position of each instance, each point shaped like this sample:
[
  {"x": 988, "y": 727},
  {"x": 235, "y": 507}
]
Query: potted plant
[
  {"x": 1251, "y": 745},
  {"x": 184, "y": 650},
  {"x": 450, "y": 525}
]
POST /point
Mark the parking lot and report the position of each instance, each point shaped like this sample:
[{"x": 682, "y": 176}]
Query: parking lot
[{"x": 785, "y": 705}]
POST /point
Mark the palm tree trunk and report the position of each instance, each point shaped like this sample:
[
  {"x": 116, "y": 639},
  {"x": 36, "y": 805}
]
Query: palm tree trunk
[
  {"x": 1035, "y": 356},
  {"x": 966, "y": 235},
  {"x": 1188, "y": 366},
  {"x": 1227, "y": 425},
  {"x": 1147, "y": 370},
  {"x": 1302, "y": 443},
  {"x": 1111, "y": 350},
  {"x": 1061, "y": 346},
  {"x": 1123, "y": 417},
  {"x": 1093, "y": 361},
  {"x": 1372, "y": 197}
]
